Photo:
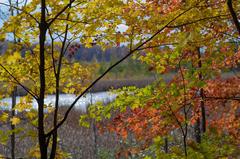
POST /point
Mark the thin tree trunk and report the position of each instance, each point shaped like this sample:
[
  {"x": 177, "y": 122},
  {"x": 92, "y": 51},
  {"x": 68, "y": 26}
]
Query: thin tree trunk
[
  {"x": 95, "y": 140},
  {"x": 185, "y": 145},
  {"x": 42, "y": 37},
  {"x": 13, "y": 113},
  {"x": 95, "y": 151},
  {"x": 166, "y": 145},
  {"x": 203, "y": 111},
  {"x": 57, "y": 77},
  {"x": 185, "y": 129},
  {"x": 55, "y": 133},
  {"x": 197, "y": 131},
  {"x": 202, "y": 104},
  {"x": 234, "y": 15}
]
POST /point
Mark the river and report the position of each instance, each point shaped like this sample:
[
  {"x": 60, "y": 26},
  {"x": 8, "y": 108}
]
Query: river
[{"x": 67, "y": 99}]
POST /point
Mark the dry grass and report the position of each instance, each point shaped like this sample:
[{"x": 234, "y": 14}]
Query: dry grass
[{"x": 79, "y": 142}]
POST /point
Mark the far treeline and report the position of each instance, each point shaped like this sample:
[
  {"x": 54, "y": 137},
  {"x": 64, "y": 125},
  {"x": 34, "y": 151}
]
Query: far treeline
[{"x": 103, "y": 59}]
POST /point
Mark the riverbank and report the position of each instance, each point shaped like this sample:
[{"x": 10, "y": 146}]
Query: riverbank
[{"x": 107, "y": 84}]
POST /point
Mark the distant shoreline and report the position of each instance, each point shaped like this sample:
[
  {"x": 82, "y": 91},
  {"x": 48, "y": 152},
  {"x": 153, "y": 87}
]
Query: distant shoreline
[{"x": 106, "y": 85}]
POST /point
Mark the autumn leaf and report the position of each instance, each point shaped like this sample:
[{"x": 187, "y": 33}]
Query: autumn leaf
[{"x": 15, "y": 120}]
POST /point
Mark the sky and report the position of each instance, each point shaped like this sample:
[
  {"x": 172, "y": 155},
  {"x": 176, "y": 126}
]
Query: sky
[
  {"x": 4, "y": 15},
  {"x": 3, "y": 12}
]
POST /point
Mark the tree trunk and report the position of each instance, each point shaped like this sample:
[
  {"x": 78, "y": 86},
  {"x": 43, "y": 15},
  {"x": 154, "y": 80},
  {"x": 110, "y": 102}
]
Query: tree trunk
[
  {"x": 94, "y": 129},
  {"x": 94, "y": 139},
  {"x": 55, "y": 133},
  {"x": 41, "y": 134},
  {"x": 57, "y": 78},
  {"x": 13, "y": 113},
  {"x": 197, "y": 131},
  {"x": 203, "y": 111},
  {"x": 166, "y": 145},
  {"x": 185, "y": 144},
  {"x": 234, "y": 15},
  {"x": 201, "y": 93}
]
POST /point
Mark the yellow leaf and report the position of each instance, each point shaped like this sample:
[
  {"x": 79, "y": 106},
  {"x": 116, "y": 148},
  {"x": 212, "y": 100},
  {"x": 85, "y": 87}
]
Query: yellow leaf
[
  {"x": 13, "y": 58},
  {"x": 35, "y": 153},
  {"x": 15, "y": 120},
  {"x": 4, "y": 117},
  {"x": 31, "y": 114}
]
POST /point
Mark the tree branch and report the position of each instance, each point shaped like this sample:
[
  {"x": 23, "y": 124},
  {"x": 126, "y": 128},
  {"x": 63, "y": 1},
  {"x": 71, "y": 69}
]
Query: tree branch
[
  {"x": 196, "y": 21},
  {"x": 221, "y": 98},
  {"x": 24, "y": 87},
  {"x": 19, "y": 9},
  {"x": 59, "y": 13},
  {"x": 234, "y": 15}
]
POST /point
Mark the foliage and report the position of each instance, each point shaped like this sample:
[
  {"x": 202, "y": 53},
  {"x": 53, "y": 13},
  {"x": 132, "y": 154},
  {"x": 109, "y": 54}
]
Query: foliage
[
  {"x": 200, "y": 46},
  {"x": 194, "y": 38},
  {"x": 212, "y": 146}
]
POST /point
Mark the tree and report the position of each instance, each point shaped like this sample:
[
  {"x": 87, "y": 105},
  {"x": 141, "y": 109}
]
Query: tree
[
  {"x": 27, "y": 72},
  {"x": 200, "y": 46}
]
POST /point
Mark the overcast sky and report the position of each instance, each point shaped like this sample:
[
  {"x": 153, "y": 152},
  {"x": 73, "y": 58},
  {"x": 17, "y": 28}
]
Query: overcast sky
[{"x": 4, "y": 11}]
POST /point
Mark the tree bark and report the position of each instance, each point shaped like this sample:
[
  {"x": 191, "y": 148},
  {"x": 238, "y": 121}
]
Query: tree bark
[
  {"x": 166, "y": 145},
  {"x": 42, "y": 37},
  {"x": 197, "y": 131},
  {"x": 203, "y": 111},
  {"x": 13, "y": 113},
  {"x": 234, "y": 15},
  {"x": 201, "y": 93},
  {"x": 185, "y": 145}
]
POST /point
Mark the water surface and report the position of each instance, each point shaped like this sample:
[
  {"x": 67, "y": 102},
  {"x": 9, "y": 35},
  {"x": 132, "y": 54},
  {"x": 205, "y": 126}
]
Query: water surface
[{"x": 67, "y": 99}]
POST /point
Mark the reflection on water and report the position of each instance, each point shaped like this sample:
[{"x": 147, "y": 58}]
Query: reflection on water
[{"x": 67, "y": 99}]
